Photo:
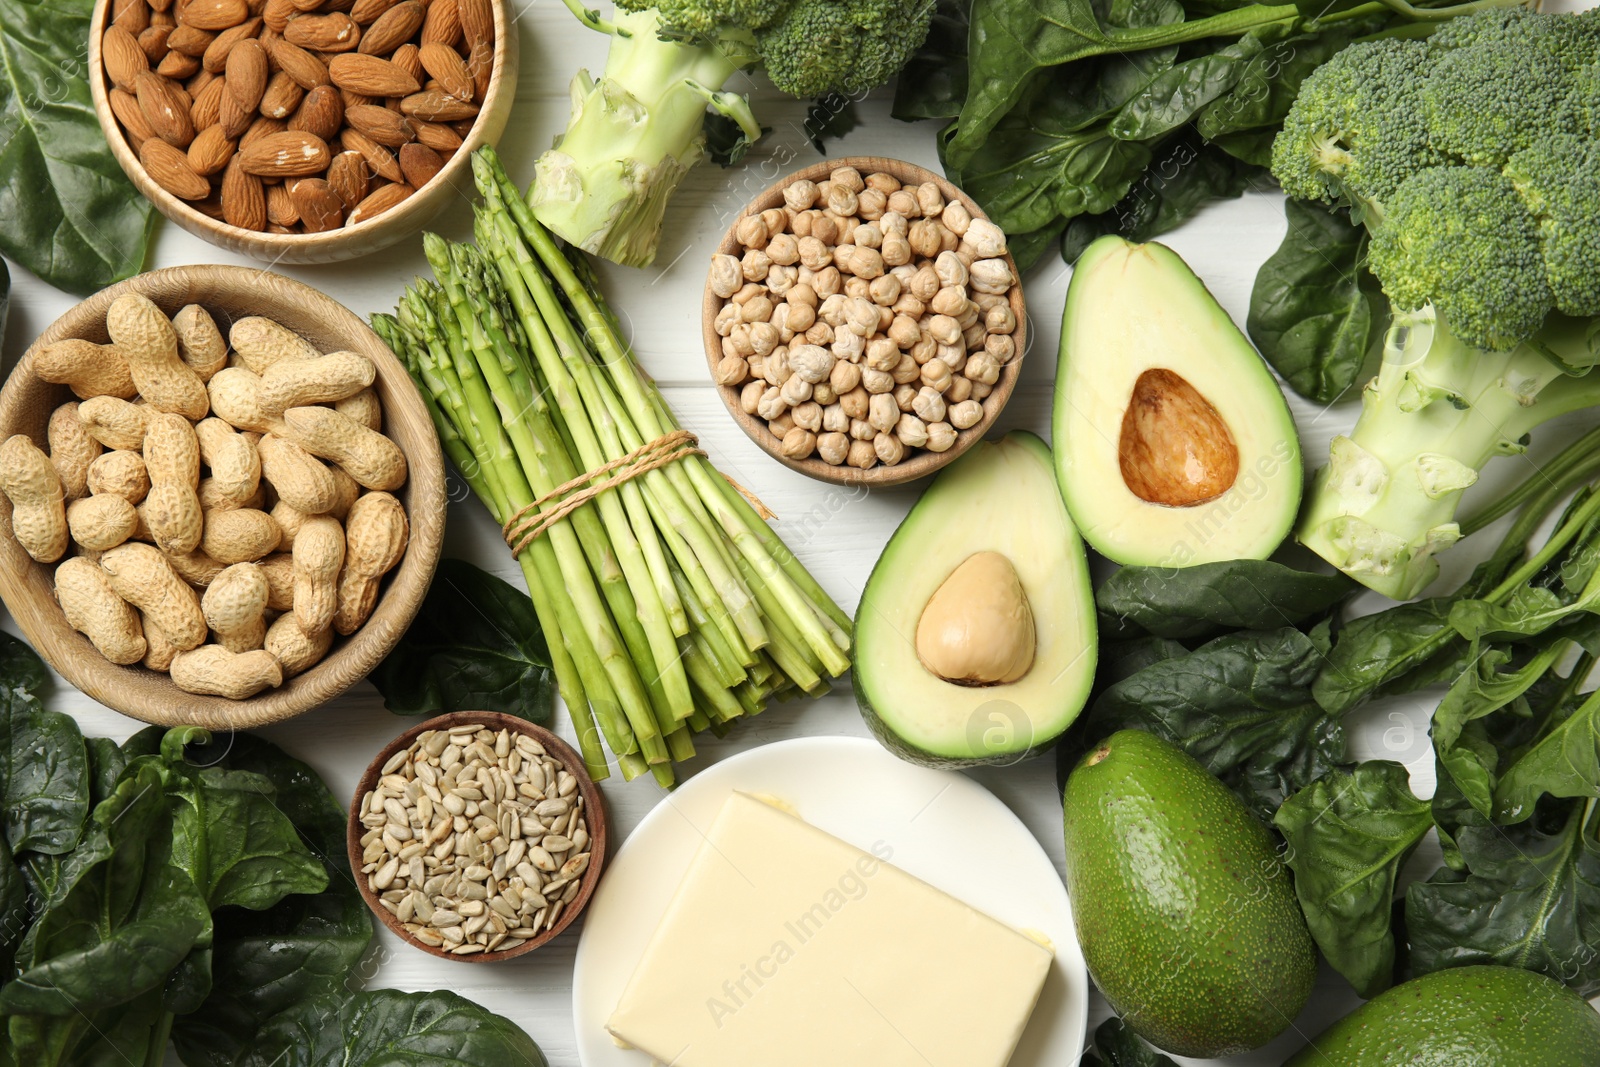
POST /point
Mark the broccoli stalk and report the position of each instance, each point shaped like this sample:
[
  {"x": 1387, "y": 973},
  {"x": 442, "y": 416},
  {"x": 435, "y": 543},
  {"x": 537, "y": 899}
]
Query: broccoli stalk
[
  {"x": 1473, "y": 159},
  {"x": 638, "y": 129}
]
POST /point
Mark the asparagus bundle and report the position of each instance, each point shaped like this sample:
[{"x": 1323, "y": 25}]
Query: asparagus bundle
[{"x": 673, "y": 608}]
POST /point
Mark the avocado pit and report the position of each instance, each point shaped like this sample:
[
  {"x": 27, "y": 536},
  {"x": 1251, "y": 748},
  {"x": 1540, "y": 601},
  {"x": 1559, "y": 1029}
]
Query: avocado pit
[
  {"x": 1175, "y": 449},
  {"x": 978, "y": 628}
]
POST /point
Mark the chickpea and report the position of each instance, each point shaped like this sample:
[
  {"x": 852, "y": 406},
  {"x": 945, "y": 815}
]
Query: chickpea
[
  {"x": 951, "y": 300},
  {"x": 924, "y": 238},
  {"x": 884, "y": 291},
  {"x": 959, "y": 391},
  {"x": 755, "y": 264},
  {"x": 844, "y": 377},
  {"x": 862, "y": 455},
  {"x": 834, "y": 420},
  {"x": 889, "y": 449},
  {"x": 825, "y": 228},
  {"x": 871, "y": 204},
  {"x": 751, "y": 232},
  {"x": 956, "y": 217},
  {"x": 857, "y": 287},
  {"x": 772, "y": 403},
  {"x": 783, "y": 249},
  {"x": 757, "y": 310},
  {"x": 1002, "y": 347},
  {"x": 929, "y": 405},
  {"x": 902, "y": 202},
  {"x": 748, "y": 292},
  {"x": 842, "y": 201},
  {"x": 987, "y": 240},
  {"x": 904, "y": 331},
  {"x": 912, "y": 431},
  {"x": 925, "y": 350},
  {"x": 935, "y": 374},
  {"x": 904, "y": 396},
  {"x": 848, "y": 345},
  {"x": 894, "y": 222},
  {"x": 802, "y": 293},
  {"x": 798, "y": 443},
  {"x": 800, "y": 195},
  {"x": 848, "y": 178},
  {"x": 876, "y": 381},
  {"x": 800, "y": 225},
  {"x": 827, "y": 281},
  {"x": 833, "y": 448},
  {"x": 965, "y": 414},
  {"x": 941, "y": 435},
  {"x": 855, "y": 402},
  {"x": 731, "y": 370},
  {"x": 780, "y": 279},
  {"x": 801, "y": 316},
  {"x": 780, "y": 425},
  {"x": 862, "y": 430},
  {"x": 819, "y": 333},
  {"x": 930, "y": 201},
  {"x": 1000, "y": 319},
  {"x": 910, "y": 307},
  {"x": 764, "y": 336},
  {"x": 726, "y": 319},
  {"x": 750, "y": 396},
  {"x": 942, "y": 328},
  {"x": 813, "y": 253}
]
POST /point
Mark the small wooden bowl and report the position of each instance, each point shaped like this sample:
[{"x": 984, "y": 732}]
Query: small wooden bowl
[
  {"x": 347, "y": 242},
  {"x": 923, "y": 462},
  {"x": 28, "y": 587},
  {"x": 557, "y": 748}
]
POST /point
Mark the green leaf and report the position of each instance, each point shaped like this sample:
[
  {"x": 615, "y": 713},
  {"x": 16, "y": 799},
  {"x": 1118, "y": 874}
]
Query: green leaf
[
  {"x": 1204, "y": 600},
  {"x": 1119, "y": 1046},
  {"x": 1349, "y": 832},
  {"x": 1565, "y": 762},
  {"x": 67, "y": 212},
  {"x": 304, "y": 946},
  {"x": 106, "y": 764},
  {"x": 476, "y": 646},
  {"x": 20, "y": 665},
  {"x": 1316, "y": 312},
  {"x": 44, "y": 772},
  {"x": 1178, "y": 93},
  {"x": 933, "y": 83},
  {"x": 1376, "y": 651},
  {"x": 13, "y": 908},
  {"x": 1530, "y": 898},
  {"x": 1241, "y": 705},
  {"x": 387, "y": 1028},
  {"x": 829, "y": 118},
  {"x": 1261, "y": 98}
]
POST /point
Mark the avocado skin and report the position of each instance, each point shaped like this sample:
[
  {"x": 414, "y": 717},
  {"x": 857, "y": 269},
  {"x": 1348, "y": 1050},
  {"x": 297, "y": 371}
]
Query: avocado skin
[
  {"x": 1186, "y": 916},
  {"x": 1476, "y": 1016}
]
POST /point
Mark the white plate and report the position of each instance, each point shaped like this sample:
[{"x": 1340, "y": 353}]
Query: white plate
[{"x": 944, "y": 828}]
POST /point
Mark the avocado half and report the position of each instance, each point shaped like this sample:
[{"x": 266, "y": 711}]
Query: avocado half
[
  {"x": 1481, "y": 1015},
  {"x": 1174, "y": 445},
  {"x": 986, "y": 578}
]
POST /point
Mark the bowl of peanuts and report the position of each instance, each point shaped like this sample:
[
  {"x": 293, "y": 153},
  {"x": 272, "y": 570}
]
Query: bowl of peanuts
[
  {"x": 221, "y": 498},
  {"x": 300, "y": 131},
  {"x": 864, "y": 321}
]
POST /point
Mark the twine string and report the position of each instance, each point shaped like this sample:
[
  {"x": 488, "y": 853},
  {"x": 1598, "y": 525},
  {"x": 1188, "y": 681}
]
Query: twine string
[{"x": 530, "y": 522}]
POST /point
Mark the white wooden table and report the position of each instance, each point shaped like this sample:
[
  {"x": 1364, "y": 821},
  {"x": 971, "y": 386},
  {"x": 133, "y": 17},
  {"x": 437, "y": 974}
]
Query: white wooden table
[{"x": 838, "y": 533}]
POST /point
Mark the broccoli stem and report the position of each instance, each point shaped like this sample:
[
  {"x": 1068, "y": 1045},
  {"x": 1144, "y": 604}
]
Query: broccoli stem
[
  {"x": 632, "y": 136},
  {"x": 1436, "y": 413}
]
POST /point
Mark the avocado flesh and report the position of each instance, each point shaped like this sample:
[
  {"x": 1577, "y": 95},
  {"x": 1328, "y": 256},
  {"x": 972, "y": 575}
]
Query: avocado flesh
[
  {"x": 1477, "y": 1016},
  {"x": 1186, "y": 916},
  {"x": 1173, "y": 442},
  {"x": 1001, "y": 498}
]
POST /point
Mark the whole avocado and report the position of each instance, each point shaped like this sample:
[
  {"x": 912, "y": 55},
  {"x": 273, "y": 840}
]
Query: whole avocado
[
  {"x": 1483, "y": 1016},
  {"x": 1186, "y": 916}
]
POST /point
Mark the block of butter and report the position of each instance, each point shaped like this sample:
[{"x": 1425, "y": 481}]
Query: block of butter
[{"x": 786, "y": 947}]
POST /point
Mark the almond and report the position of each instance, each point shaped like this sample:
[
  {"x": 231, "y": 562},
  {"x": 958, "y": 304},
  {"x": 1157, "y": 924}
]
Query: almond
[
  {"x": 233, "y": 116},
  {"x": 419, "y": 164},
  {"x": 443, "y": 25},
  {"x": 435, "y": 105},
  {"x": 126, "y": 108},
  {"x": 214, "y": 14},
  {"x": 321, "y": 113},
  {"x": 166, "y": 109},
  {"x": 211, "y": 206},
  {"x": 320, "y": 208},
  {"x": 261, "y": 127},
  {"x": 190, "y": 41},
  {"x": 124, "y": 59},
  {"x": 366, "y": 12},
  {"x": 153, "y": 42},
  {"x": 210, "y": 151},
  {"x": 282, "y": 97},
  {"x": 177, "y": 66},
  {"x": 132, "y": 15},
  {"x": 334, "y": 32},
  {"x": 200, "y": 79},
  {"x": 437, "y": 136},
  {"x": 370, "y": 75},
  {"x": 159, "y": 17},
  {"x": 480, "y": 64},
  {"x": 347, "y": 177},
  {"x": 381, "y": 200},
  {"x": 247, "y": 73},
  {"x": 290, "y": 154},
  {"x": 169, "y": 168},
  {"x": 244, "y": 201},
  {"x": 463, "y": 127},
  {"x": 408, "y": 57},
  {"x": 277, "y": 13},
  {"x": 160, "y": 6},
  {"x": 351, "y": 100},
  {"x": 447, "y": 67},
  {"x": 207, "y": 110},
  {"x": 306, "y": 69},
  {"x": 307, "y": 6},
  {"x": 393, "y": 28},
  {"x": 477, "y": 22},
  {"x": 386, "y": 127},
  {"x": 281, "y": 209},
  {"x": 380, "y": 160},
  {"x": 216, "y": 57}
]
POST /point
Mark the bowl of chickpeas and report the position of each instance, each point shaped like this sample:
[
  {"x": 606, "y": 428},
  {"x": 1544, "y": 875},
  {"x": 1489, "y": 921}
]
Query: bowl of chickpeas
[{"x": 864, "y": 321}]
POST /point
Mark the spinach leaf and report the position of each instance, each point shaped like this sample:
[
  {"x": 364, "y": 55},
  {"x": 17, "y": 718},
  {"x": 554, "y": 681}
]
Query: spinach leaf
[
  {"x": 1376, "y": 651},
  {"x": 1028, "y": 248},
  {"x": 1349, "y": 832},
  {"x": 44, "y": 772},
  {"x": 304, "y": 946},
  {"x": 1530, "y": 898},
  {"x": 1565, "y": 762},
  {"x": 476, "y": 646},
  {"x": 933, "y": 83},
  {"x": 21, "y": 667},
  {"x": 1241, "y": 705},
  {"x": 383, "y": 1027},
  {"x": 106, "y": 764},
  {"x": 1200, "y": 601},
  {"x": 1261, "y": 98},
  {"x": 1117, "y": 1046},
  {"x": 13, "y": 908},
  {"x": 1173, "y": 98},
  {"x": 67, "y": 212},
  {"x": 1316, "y": 312}
]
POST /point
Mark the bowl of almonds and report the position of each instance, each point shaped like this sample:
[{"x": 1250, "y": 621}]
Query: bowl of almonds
[
  {"x": 864, "y": 321},
  {"x": 477, "y": 836},
  {"x": 221, "y": 497},
  {"x": 300, "y": 131}
]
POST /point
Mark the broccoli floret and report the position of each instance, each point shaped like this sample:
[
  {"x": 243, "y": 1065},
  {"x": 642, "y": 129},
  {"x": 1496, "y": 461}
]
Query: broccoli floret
[
  {"x": 636, "y": 131},
  {"x": 1473, "y": 158},
  {"x": 1462, "y": 239}
]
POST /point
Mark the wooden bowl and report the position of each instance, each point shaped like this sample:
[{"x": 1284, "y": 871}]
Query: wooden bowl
[
  {"x": 228, "y": 293},
  {"x": 923, "y": 462},
  {"x": 347, "y": 242},
  {"x": 561, "y": 752}
]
